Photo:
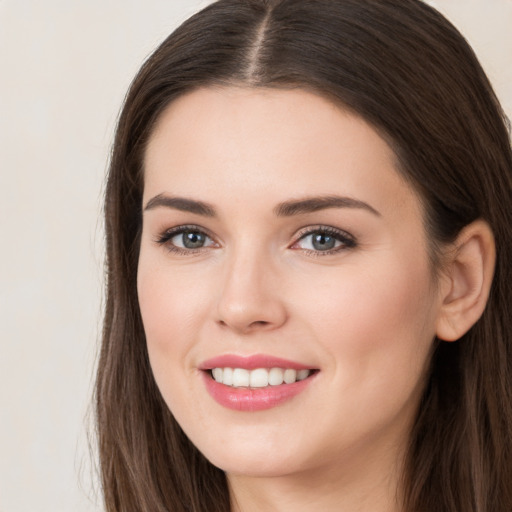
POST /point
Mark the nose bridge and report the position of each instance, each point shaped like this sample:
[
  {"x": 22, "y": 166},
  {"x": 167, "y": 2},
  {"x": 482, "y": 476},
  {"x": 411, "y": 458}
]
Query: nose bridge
[{"x": 250, "y": 297}]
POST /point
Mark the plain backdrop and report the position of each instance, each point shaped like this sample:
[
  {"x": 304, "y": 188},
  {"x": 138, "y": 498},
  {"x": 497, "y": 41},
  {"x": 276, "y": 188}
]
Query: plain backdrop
[{"x": 65, "y": 66}]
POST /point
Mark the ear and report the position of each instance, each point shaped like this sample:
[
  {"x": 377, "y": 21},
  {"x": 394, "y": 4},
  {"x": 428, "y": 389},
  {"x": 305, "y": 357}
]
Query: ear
[{"x": 467, "y": 279}]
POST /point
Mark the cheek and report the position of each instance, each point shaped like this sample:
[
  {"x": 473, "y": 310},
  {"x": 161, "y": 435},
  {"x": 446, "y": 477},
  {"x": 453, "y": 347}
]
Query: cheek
[
  {"x": 169, "y": 317},
  {"x": 376, "y": 330},
  {"x": 160, "y": 310},
  {"x": 376, "y": 319},
  {"x": 170, "y": 300},
  {"x": 169, "y": 308}
]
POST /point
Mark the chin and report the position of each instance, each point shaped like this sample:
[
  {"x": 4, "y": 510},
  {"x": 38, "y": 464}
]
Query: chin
[
  {"x": 257, "y": 455},
  {"x": 261, "y": 465}
]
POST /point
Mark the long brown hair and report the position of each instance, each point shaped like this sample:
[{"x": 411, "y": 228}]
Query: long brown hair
[{"x": 406, "y": 70}]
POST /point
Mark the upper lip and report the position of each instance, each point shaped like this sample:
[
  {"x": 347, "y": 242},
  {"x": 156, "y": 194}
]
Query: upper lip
[{"x": 251, "y": 362}]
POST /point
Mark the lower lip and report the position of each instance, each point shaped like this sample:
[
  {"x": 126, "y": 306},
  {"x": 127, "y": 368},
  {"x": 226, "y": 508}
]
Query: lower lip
[{"x": 253, "y": 399}]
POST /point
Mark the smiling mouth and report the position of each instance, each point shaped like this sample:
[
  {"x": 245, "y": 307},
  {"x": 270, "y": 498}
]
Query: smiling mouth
[{"x": 259, "y": 377}]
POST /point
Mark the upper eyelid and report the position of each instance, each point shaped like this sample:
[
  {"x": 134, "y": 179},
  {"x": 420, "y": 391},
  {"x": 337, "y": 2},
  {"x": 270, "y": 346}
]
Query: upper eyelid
[
  {"x": 301, "y": 232},
  {"x": 325, "y": 229},
  {"x": 170, "y": 232}
]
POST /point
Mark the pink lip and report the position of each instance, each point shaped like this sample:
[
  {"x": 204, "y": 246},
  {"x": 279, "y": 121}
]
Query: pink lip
[
  {"x": 252, "y": 399},
  {"x": 251, "y": 362}
]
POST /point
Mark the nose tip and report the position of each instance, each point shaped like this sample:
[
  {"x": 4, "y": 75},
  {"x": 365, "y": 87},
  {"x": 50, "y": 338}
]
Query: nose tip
[{"x": 251, "y": 301}]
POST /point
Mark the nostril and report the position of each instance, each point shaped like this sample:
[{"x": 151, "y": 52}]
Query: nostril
[
  {"x": 247, "y": 328},
  {"x": 259, "y": 323}
]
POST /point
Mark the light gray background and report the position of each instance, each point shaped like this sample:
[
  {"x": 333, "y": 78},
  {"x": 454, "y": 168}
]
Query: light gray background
[{"x": 64, "y": 69}]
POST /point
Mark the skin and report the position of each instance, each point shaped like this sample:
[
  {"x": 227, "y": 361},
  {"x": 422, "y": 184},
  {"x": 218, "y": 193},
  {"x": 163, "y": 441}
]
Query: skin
[{"x": 365, "y": 315}]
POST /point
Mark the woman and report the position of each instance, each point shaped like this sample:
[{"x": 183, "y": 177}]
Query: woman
[{"x": 308, "y": 244}]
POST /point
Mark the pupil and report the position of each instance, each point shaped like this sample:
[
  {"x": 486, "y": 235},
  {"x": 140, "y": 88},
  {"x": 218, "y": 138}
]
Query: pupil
[
  {"x": 323, "y": 242},
  {"x": 193, "y": 240}
]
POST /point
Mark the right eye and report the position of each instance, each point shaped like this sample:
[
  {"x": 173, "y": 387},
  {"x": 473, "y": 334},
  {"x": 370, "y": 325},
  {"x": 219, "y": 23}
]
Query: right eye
[{"x": 185, "y": 239}]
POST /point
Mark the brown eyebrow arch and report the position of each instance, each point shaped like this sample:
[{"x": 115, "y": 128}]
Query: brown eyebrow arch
[
  {"x": 181, "y": 203},
  {"x": 314, "y": 204},
  {"x": 285, "y": 209}
]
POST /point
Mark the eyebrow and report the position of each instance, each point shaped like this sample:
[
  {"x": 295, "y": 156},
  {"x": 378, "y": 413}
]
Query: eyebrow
[
  {"x": 285, "y": 209},
  {"x": 181, "y": 203},
  {"x": 314, "y": 204}
]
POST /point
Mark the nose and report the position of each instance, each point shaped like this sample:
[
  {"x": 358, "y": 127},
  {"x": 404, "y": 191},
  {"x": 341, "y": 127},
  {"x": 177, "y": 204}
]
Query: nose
[{"x": 251, "y": 299}]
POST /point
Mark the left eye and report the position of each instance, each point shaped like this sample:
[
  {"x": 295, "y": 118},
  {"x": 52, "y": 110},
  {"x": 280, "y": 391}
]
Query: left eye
[{"x": 324, "y": 241}]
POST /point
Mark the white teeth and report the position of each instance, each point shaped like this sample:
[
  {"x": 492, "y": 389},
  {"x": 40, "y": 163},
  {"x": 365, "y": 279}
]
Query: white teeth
[
  {"x": 303, "y": 374},
  {"x": 218, "y": 374},
  {"x": 290, "y": 376},
  {"x": 275, "y": 377},
  {"x": 259, "y": 378},
  {"x": 227, "y": 377},
  {"x": 240, "y": 378}
]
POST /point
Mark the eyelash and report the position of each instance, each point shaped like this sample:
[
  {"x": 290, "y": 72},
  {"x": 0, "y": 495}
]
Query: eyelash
[{"x": 346, "y": 240}]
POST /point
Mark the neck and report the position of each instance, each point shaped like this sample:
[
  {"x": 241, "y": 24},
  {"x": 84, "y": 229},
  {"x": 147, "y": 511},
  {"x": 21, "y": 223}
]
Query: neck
[{"x": 368, "y": 485}]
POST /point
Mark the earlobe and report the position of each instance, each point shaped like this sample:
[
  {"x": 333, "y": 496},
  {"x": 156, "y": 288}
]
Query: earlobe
[{"x": 468, "y": 274}]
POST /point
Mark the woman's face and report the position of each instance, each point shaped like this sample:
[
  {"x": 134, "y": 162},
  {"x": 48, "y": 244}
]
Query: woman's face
[{"x": 279, "y": 238}]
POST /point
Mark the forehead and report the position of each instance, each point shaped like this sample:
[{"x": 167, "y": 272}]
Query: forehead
[{"x": 244, "y": 142}]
